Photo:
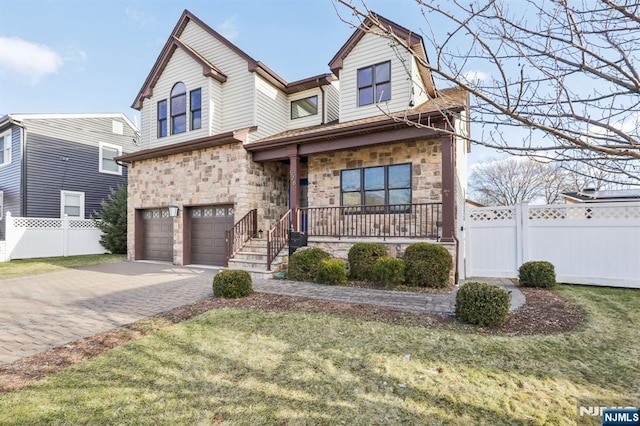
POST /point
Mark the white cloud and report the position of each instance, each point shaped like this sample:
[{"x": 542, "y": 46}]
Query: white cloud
[
  {"x": 228, "y": 28},
  {"x": 139, "y": 17},
  {"x": 27, "y": 59},
  {"x": 475, "y": 76}
]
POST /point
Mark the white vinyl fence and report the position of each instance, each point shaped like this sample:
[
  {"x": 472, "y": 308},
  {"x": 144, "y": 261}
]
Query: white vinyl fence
[
  {"x": 31, "y": 237},
  {"x": 595, "y": 244}
]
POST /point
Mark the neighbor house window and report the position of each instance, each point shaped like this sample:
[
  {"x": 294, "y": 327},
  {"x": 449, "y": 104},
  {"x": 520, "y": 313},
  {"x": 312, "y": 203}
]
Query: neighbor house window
[
  {"x": 72, "y": 204},
  {"x": 162, "y": 118},
  {"x": 108, "y": 153},
  {"x": 5, "y": 149},
  {"x": 1, "y": 204},
  {"x": 377, "y": 186},
  {"x": 304, "y": 107},
  {"x": 374, "y": 84},
  {"x": 195, "y": 106},
  {"x": 178, "y": 108}
]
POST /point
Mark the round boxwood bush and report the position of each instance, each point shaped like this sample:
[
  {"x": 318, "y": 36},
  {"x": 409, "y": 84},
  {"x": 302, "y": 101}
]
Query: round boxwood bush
[
  {"x": 537, "y": 274},
  {"x": 362, "y": 257},
  {"x": 388, "y": 271},
  {"x": 232, "y": 284},
  {"x": 304, "y": 264},
  {"x": 332, "y": 271},
  {"x": 482, "y": 304},
  {"x": 427, "y": 265}
]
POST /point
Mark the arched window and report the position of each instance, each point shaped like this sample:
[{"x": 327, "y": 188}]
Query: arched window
[{"x": 178, "y": 108}]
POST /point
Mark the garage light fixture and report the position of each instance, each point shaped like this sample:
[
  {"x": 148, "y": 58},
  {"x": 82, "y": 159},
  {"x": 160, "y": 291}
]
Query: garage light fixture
[{"x": 173, "y": 211}]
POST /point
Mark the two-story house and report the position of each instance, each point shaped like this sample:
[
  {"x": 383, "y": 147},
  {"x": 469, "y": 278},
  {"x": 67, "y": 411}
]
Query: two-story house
[
  {"x": 234, "y": 149},
  {"x": 53, "y": 165}
]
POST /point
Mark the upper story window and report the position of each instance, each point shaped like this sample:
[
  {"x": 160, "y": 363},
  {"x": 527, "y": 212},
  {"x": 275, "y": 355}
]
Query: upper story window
[
  {"x": 5, "y": 148},
  {"x": 108, "y": 164},
  {"x": 304, "y": 107},
  {"x": 374, "y": 84},
  {"x": 377, "y": 186},
  {"x": 195, "y": 106},
  {"x": 162, "y": 118},
  {"x": 178, "y": 108}
]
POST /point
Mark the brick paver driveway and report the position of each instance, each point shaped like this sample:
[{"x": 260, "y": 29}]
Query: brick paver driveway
[{"x": 39, "y": 312}]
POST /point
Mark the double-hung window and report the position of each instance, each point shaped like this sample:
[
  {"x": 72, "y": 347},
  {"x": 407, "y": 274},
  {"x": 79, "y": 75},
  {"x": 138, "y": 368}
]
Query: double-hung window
[
  {"x": 5, "y": 148},
  {"x": 374, "y": 187},
  {"x": 195, "y": 106},
  {"x": 178, "y": 108},
  {"x": 72, "y": 204},
  {"x": 108, "y": 164},
  {"x": 162, "y": 118},
  {"x": 374, "y": 84}
]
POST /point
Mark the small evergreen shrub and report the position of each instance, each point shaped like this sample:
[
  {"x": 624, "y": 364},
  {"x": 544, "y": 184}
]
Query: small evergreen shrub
[
  {"x": 362, "y": 257},
  {"x": 304, "y": 264},
  {"x": 112, "y": 221},
  {"x": 388, "y": 271},
  {"x": 482, "y": 304},
  {"x": 332, "y": 271},
  {"x": 427, "y": 265},
  {"x": 232, "y": 284},
  {"x": 537, "y": 274}
]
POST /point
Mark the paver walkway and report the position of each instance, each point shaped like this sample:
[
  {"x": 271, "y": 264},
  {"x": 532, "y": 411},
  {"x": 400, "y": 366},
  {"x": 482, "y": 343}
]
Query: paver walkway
[{"x": 39, "y": 312}]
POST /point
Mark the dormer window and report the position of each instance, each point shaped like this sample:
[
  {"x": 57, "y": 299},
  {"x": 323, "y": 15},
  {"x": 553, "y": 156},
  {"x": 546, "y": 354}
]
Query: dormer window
[
  {"x": 178, "y": 108},
  {"x": 374, "y": 84},
  {"x": 304, "y": 107}
]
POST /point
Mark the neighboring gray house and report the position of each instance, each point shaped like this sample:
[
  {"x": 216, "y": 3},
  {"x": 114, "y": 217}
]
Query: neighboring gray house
[{"x": 56, "y": 164}]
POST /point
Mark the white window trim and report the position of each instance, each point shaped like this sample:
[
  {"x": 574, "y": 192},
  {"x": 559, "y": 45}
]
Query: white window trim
[
  {"x": 63, "y": 194},
  {"x": 116, "y": 147},
  {"x": 3, "y": 135}
]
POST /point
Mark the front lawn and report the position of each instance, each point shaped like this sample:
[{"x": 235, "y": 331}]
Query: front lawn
[
  {"x": 21, "y": 267},
  {"x": 243, "y": 366}
]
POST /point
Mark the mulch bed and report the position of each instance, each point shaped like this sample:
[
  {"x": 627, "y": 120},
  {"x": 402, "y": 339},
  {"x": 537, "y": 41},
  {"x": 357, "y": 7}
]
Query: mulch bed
[{"x": 546, "y": 312}]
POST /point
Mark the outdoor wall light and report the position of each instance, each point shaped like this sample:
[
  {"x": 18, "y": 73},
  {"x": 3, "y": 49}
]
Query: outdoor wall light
[
  {"x": 260, "y": 234},
  {"x": 173, "y": 211}
]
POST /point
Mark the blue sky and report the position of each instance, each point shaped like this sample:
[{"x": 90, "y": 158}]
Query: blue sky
[{"x": 92, "y": 56}]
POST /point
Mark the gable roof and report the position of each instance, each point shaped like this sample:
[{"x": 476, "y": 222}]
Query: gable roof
[
  {"x": 412, "y": 40},
  {"x": 210, "y": 70}
]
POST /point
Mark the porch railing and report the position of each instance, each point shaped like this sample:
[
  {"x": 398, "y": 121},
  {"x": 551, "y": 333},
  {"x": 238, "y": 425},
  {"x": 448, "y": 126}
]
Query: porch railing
[
  {"x": 277, "y": 238},
  {"x": 243, "y": 230},
  {"x": 383, "y": 221}
]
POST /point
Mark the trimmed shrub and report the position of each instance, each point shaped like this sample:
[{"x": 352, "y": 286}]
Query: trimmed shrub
[
  {"x": 537, "y": 274},
  {"x": 332, "y": 271},
  {"x": 482, "y": 304},
  {"x": 388, "y": 271},
  {"x": 232, "y": 284},
  {"x": 427, "y": 265},
  {"x": 362, "y": 257},
  {"x": 304, "y": 264}
]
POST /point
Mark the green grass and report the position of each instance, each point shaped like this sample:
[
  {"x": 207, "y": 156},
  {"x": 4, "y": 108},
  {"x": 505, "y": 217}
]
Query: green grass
[
  {"x": 21, "y": 267},
  {"x": 234, "y": 366}
]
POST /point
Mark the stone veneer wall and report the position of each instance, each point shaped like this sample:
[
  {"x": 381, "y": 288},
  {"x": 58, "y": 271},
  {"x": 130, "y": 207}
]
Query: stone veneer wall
[
  {"x": 219, "y": 175},
  {"x": 425, "y": 156}
]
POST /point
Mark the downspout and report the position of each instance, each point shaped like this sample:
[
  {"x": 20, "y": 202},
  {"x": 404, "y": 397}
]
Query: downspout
[{"x": 324, "y": 98}]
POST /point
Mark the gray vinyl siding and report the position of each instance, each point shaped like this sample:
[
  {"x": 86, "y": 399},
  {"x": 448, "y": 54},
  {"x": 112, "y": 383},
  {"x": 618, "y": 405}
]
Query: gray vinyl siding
[
  {"x": 54, "y": 165},
  {"x": 10, "y": 180}
]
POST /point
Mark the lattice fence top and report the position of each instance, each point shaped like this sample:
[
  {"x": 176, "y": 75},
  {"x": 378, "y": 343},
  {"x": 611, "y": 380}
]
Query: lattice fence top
[
  {"x": 82, "y": 224},
  {"x": 492, "y": 214},
  {"x": 36, "y": 222},
  {"x": 582, "y": 212}
]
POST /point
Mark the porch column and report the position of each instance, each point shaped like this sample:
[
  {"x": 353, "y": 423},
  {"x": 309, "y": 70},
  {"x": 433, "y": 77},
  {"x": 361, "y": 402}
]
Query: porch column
[
  {"x": 448, "y": 190},
  {"x": 294, "y": 188}
]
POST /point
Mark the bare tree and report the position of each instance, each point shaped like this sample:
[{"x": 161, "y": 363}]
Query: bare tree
[
  {"x": 564, "y": 75},
  {"x": 515, "y": 180}
]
